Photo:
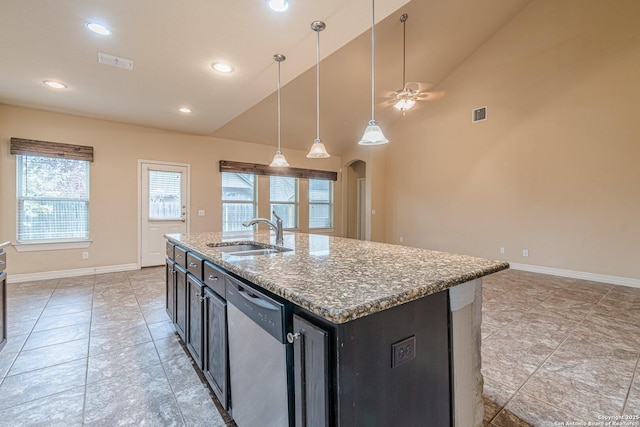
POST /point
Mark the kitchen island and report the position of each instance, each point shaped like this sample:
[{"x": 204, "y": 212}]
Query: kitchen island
[{"x": 397, "y": 329}]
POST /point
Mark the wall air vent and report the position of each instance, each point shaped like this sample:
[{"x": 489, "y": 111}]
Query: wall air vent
[
  {"x": 115, "y": 61},
  {"x": 479, "y": 114}
]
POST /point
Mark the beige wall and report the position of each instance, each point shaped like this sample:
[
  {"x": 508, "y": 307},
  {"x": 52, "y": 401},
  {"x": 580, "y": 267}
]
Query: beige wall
[
  {"x": 113, "y": 205},
  {"x": 556, "y": 167}
]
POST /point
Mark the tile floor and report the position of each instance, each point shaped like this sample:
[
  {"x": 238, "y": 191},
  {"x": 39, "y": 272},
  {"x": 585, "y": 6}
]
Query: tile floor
[
  {"x": 557, "y": 351},
  {"x": 99, "y": 350}
]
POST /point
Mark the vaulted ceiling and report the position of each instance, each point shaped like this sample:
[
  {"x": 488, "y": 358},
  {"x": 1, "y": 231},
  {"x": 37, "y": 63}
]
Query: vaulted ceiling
[{"x": 173, "y": 45}]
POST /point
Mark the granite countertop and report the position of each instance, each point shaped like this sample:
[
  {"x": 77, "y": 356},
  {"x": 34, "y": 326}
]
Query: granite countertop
[
  {"x": 337, "y": 278},
  {"x": 4, "y": 244}
]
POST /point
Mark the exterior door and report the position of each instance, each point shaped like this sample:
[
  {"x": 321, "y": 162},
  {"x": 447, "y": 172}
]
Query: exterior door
[{"x": 163, "y": 208}]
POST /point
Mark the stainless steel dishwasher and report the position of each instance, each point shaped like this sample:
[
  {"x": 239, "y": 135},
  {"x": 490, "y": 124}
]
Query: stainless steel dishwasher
[{"x": 258, "y": 354}]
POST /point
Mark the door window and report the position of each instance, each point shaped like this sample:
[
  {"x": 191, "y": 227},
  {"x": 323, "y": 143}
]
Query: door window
[{"x": 165, "y": 195}]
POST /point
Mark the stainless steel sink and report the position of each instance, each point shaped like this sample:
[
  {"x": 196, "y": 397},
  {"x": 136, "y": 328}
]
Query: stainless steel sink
[
  {"x": 248, "y": 249},
  {"x": 265, "y": 251},
  {"x": 239, "y": 248}
]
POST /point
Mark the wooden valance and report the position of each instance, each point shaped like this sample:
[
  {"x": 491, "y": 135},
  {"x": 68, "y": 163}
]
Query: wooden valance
[
  {"x": 51, "y": 149},
  {"x": 239, "y": 167}
]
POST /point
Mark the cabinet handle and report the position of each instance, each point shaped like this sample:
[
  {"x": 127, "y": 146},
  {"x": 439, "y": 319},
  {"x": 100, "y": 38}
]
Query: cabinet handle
[
  {"x": 1, "y": 262},
  {"x": 178, "y": 256},
  {"x": 200, "y": 296},
  {"x": 193, "y": 264},
  {"x": 298, "y": 338},
  {"x": 292, "y": 337},
  {"x": 213, "y": 278}
]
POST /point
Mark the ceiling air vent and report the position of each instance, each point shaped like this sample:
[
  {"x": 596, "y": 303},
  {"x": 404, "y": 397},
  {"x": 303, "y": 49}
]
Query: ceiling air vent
[
  {"x": 115, "y": 61},
  {"x": 479, "y": 114}
]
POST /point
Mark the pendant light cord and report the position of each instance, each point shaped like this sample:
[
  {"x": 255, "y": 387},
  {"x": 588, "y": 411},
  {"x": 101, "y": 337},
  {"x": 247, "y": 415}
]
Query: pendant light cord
[
  {"x": 373, "y": 57},
  {"x": 278, "y": 107},
  {"x": 318, "y": 88}
]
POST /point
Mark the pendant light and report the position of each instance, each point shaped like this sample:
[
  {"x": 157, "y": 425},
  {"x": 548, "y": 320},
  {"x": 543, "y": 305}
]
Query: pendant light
[
  {"x": 318, "y": 150},
  {"x": 373, "y": 134},
  {"x": 407, "y": 96},
  {"x": 278, "y": 160}
]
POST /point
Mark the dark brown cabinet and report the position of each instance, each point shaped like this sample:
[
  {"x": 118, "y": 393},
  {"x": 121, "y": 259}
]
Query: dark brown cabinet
[
  {"x": 216, "y": 353},
  {"x": 196, "y": 305},
  {"x": 195, "y": 327},
  {"x": 310, "y": 373},
  {"x": 181, "y": 301},
  {"x": 170, "y": 296},
  {"x": 3, "y": 298}
]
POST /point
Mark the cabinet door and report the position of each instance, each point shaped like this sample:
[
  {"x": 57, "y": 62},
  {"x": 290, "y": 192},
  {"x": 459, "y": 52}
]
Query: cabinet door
[
  {"x": 170, "y": 296},
  {"x": 216, "y": 351},
  {"x": 310, "y": 370},
  {"x": 194, "y": 340},
  {"x": 181, "y": 301},
  {"x": 3, "y": 309}
]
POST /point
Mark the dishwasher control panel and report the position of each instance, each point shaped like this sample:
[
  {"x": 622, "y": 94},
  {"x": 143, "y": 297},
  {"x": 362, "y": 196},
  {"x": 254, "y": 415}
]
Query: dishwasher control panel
[{"x": 262, "y": 309}]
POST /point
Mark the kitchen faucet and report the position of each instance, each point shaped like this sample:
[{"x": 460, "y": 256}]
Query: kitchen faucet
[{"x": 277, "y": 227}]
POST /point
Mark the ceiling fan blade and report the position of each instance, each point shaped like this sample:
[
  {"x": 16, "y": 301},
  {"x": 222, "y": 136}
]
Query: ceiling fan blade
[
  {"x": 418, "y": 86},
  {"x": 431, "y": 96}
]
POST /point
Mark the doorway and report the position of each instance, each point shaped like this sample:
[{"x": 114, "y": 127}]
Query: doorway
[
  {"x": 163, "y": 207},
  {"x": 356, "y": 200}
]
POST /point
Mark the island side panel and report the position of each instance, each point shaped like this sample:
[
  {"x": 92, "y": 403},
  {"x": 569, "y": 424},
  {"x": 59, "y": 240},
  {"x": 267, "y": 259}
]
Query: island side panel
[
  {"x": 466, "y": 319},
  {"x": 373, "y": 393}
]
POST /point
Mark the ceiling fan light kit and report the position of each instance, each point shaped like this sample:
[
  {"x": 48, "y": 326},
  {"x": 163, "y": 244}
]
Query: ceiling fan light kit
[
  {"x": 406, "y": 97},
  {"x": 373, "y": 134}
]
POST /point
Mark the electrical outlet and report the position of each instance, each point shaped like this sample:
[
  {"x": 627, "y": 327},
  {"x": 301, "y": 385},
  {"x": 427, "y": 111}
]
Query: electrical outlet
[
  {"x": 85, "y": 255},
  {"x": 525, "y": 252},
  {"x": 403, "y": 351},
  {"x": 502, "y": 249},
  {"x": 401, "y": 239},
  {"x": 201, "y": 212}
]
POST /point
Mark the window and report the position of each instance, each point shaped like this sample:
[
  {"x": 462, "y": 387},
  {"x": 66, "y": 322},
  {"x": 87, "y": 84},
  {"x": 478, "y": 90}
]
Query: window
[
  {"x": 320, "y": 203},
  {"x": 165, "y": 195},
  {"x": 238, "y": 200},
  {"x": 53, "y": 199},
  {"x": 284, "y": 199}
]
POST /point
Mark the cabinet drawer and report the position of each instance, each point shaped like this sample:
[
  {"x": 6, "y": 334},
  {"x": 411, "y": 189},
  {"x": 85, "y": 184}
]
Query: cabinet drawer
[
  {"x": 170, "y": 248},
  {"x": 180, "y": 256},
  {"x": 3, "y": 260},
  {"x": 214, "y": 279},
  {"x": 194, "y": 265}
]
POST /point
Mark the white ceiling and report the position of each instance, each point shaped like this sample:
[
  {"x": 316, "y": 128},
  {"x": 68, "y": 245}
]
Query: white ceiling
[{"x": 174, "y": 43}]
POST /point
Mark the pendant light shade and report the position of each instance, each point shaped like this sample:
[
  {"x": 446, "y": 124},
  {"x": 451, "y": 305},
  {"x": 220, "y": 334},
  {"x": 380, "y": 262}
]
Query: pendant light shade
[
  {"x": 318, "y": 150},
  {"x": 278, "y": 160},
  {"x": 373, "y": 134}
]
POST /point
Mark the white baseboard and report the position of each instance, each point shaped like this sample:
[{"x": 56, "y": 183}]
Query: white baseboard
[
  {"x": 603, "y": 278},
  {"x": 46, "y": 275}
]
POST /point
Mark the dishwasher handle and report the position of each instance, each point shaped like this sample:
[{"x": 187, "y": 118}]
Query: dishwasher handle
[
  {"x": 262, "y": 309},
  {"x": 254, "y": 299}
]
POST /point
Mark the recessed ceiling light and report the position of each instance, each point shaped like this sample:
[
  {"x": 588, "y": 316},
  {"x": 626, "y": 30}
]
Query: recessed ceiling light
[
  {"x": 54, "y": 84},
  {"x": 278, "y": 5},
  {"x": 221, "y": 67},
  {"x": 185, "y": 110},
  {"x": 97, "y": 28}
]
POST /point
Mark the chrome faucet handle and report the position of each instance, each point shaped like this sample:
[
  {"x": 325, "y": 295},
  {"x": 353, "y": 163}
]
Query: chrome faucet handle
[{"x": 277, "y": 217}]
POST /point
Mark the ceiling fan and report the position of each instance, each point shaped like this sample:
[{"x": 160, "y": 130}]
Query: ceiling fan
[{"x": 411, "y": 92}]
